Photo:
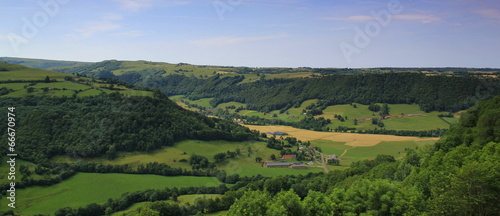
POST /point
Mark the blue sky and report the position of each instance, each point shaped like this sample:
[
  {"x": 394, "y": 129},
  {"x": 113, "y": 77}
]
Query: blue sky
[{"x": 257, "y": 33}]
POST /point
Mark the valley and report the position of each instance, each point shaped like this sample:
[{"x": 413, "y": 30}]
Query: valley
[{"x": 124, "y": 138}]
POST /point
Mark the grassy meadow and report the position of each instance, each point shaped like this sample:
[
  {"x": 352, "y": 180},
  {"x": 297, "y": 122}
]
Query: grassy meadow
[
  {"x": 244, "y": 164},
  {"x": 58, "y": 86},
  {"x": 86, "y": 188}
]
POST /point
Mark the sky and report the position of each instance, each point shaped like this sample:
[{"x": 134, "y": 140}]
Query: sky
[{"x": 257, "y": 33}]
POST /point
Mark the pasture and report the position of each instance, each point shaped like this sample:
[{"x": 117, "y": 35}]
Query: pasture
[
  {"x": 86, "y": 188},
  {"x": 204, "y": 102},
  {"x": 394, "y": 148},
  {"x": 244, "y": 165},
  {"x": 399, "y": 119}
]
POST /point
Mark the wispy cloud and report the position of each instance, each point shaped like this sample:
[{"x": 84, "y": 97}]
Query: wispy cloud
[
  {"x": 93, "y": 28},
  {"x": 134, "y": 5},
  {"x": 137, "y": 5},
  {"x": 418, "y": 17},
  {"x": 413, "y": 17},
  {"x": 359, "y": 18},
  {"x": 489, "y": 13},
  {"x": 235, "y": 40},
  {"x": 107, "y": 23}
]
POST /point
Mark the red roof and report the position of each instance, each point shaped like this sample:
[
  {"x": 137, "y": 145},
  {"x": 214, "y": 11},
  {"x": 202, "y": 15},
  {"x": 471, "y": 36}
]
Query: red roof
[{"x": 288, "y": 156}]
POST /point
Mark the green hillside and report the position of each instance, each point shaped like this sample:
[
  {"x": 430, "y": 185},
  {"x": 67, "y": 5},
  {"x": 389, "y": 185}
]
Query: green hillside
[
  {"x": 42, "y": 63},
  {"x": 21, "y": 81}
]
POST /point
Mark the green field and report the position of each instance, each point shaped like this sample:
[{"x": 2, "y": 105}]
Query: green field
[
  {"x": 394, "y": 148},
  {"x": 58, "y": 86},
  {"x": 236, "y": 104},
  {"x": 399, "y": 119},
  {"x": 4, "y": 170},
  {"x": 292, "y": 114},
  {"x": 86, "y": 188},
  {"x": 330, "y": 147},
  {"x": 242, "y": 164},
  {"x": 204, "y": 102}
]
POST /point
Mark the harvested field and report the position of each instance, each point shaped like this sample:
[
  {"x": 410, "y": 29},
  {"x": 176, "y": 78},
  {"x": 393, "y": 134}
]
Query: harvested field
[{"x": 351, "y": 139}]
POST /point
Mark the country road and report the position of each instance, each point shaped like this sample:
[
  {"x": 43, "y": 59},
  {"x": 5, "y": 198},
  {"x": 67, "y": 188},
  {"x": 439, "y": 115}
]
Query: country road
[{"x": 323, "y": 162}]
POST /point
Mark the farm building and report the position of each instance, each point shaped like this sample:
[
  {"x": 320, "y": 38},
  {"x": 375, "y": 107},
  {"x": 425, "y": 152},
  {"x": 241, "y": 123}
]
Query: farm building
[
  {"x": 296, "y": 165},
  {"x": 333, "y": 156},
  {"x": 289, "y": 156},
  {"x": 277, "y": 133},
  {"x": 277, "y": 164}
]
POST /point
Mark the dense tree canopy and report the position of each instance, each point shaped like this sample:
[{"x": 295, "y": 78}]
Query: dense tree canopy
[{"x": 99, "y": 125}]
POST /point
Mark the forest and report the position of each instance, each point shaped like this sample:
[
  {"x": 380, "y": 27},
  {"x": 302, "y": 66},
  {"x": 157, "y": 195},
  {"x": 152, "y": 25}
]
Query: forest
[
  {"x": 109, "y": 123},
  {"x": 449, "y": 93}
]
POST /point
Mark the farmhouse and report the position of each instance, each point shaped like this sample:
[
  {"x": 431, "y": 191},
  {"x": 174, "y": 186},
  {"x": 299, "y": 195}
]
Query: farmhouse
[
  {"x": 333, "y": 156},
  {"x": 277, "y": 133},
  {"x": 289, "y": 156}
]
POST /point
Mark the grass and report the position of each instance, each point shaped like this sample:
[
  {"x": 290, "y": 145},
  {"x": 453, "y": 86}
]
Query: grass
[
  {"x": 204, "y": 102},
  {"x": 394, "y": 148},
  {"x": 43, "y": 63},
  {"x": 86, "y": 188},
  {"x": 290, "y": 75},
  {"x": 31, "y": 74},
  {"x": 4, "y": 170},
  {"x": 451, "y": 120},
  {"x": 292, "y": 114},
  {"x": 242, "y": 164},
  {"x": 83, "y": 87},
  {"x": 429, "y": 121},
  {"x": 236, "y": 104},
  {"x": 330, "y": 147}
]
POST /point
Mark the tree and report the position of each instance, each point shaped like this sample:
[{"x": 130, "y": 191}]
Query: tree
[
  {"x": 384, "y": 111},
  {"x": 258, "y": 159},
  {"x": 355, "y": 122},
  {"x": 251, "y": 203},
  {"x": 273, "y": 157},
  {"x": 289, "y": 201},
  {"x": 380, "y": 124},
  {"x": 374, "y": 107},
  {"x": 317, "y": 203},
  {"x": 219, "y": 157},
  {"x": 47, "y": 79}
]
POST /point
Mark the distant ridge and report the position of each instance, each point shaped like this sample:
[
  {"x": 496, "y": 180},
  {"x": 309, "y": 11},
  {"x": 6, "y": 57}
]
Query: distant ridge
[{"x": 42, "y": 63}]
